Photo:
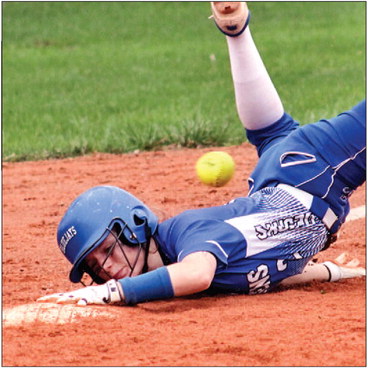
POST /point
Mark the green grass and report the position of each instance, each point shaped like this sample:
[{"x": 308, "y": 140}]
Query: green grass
[{"x": 80, "y": 77}]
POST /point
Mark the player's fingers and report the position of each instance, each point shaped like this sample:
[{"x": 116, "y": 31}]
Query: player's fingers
[
  {"x": 49, "y": 298},
  {"x": 82, "y": 302},
  {"x": 67, "y": 299}
]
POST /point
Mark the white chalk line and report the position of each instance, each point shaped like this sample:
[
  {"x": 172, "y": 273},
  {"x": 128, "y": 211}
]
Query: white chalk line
[{"x": 61, "y": 314}]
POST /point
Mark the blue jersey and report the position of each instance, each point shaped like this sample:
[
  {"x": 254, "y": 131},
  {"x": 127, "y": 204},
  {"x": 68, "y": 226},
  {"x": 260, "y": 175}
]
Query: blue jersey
[
  {"x": 257, "y": 240},
  {"x": 270, "y": 235}
]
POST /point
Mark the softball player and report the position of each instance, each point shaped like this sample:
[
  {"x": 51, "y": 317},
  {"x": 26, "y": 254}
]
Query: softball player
[{"x": 298, "y": 200}]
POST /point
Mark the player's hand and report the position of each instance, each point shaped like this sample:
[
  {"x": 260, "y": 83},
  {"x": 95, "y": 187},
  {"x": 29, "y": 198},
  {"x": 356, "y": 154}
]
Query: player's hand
[
  {"x": 341, "y": 268},
  {"x": 102, "y": 294}
]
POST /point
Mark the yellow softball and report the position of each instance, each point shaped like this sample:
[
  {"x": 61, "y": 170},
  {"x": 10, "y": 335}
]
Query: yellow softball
[{"x": 215, "y": 168}]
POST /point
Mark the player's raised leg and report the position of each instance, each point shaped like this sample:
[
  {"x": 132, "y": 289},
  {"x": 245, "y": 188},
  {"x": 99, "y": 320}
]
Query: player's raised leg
[{"x": 257, "y": 100}]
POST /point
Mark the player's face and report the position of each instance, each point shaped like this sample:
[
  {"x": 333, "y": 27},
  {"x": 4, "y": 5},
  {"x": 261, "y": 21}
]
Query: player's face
[{"x": 114, "y": 260}]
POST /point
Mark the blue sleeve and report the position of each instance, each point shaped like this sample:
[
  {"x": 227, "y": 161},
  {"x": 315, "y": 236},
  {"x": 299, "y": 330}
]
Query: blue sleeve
[
  {"x": 201, "y": 245},
  {"x": 216, "y": 237},
  {"x": 267, "y": 137},
  {"x": 201, "y": 230},
  {"x": 221, "y": 256},
  {"x": 222, "y": 240}
]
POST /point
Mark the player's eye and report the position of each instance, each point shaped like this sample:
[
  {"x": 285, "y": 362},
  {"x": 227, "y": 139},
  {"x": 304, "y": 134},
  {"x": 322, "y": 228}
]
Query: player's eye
[{"x": 108, "y": 249}]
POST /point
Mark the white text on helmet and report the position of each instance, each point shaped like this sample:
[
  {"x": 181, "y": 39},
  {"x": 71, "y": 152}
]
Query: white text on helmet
[{"x": 69, "y": 234}]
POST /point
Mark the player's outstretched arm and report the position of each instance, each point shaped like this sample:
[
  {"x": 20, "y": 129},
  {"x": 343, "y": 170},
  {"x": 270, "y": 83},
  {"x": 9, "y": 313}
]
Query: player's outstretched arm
[
  {"x": 329, "y": 271},
  {"x": 193, "y": 274}
]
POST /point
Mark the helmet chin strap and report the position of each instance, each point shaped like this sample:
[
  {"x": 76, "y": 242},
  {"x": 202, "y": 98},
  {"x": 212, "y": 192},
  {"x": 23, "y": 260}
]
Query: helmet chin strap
[{"x": 146, "y": 248}]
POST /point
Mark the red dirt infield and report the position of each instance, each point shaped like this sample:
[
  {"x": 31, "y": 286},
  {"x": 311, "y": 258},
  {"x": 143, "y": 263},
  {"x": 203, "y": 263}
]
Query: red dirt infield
[{"x": 312, "y": 325}]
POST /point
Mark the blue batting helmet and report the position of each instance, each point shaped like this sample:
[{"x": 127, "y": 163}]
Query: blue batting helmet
[{"x": 91, "y": 217}]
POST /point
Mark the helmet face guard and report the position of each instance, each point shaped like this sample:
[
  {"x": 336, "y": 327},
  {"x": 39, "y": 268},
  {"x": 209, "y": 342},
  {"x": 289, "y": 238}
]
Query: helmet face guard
[
  {"x": 92, "y": 217},
  {"x": 119, "y": 241},
  {"x": 118, "y": 233}
]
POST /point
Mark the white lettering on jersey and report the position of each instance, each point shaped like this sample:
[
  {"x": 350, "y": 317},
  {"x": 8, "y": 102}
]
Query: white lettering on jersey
[
  {"x": 268, "y": 229},
  {"x": 263, "y": 231},
  {"x": 246, "y": 225},
  {"x": 259, "y": 280}
]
